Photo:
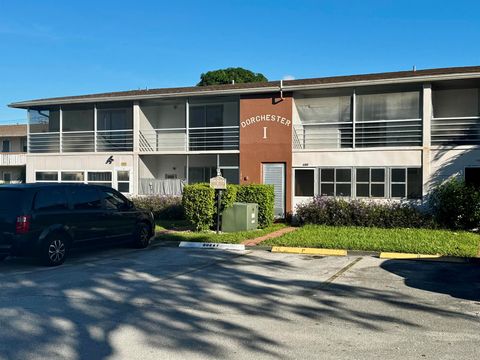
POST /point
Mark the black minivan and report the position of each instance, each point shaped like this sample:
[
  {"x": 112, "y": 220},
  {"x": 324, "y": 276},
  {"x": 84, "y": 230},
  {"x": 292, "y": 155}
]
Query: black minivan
[{"x": 47, "y": 220}]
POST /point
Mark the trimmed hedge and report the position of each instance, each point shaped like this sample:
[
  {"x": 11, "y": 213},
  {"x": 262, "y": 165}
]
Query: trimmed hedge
[
  {"x": 264, "y": 196},
  {"x": 162, "y": 207},
  {"x": 455, "y": 205},
  {"x": 340, "y": 212},
  {"x": 199, "y": 203}
]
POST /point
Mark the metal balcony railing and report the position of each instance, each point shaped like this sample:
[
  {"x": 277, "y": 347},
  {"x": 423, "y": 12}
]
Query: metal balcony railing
[
  {"x": 81, "y": 141},
  {"x": 13, "y": 159},
  {"x": 193, "y": 139}
]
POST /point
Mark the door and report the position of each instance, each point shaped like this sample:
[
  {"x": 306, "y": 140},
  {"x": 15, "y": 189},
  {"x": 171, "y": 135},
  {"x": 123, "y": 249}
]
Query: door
[{"x": 274, "y": 174}]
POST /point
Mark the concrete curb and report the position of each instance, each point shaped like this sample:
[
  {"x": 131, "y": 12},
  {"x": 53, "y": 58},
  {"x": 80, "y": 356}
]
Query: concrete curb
[
  {"x": 309, "y": 251},
  {"x": 204, "y": 245}
]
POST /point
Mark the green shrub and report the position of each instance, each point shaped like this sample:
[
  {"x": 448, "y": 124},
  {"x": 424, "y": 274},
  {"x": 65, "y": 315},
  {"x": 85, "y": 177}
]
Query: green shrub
[
  {"x": 340, "y": 212},
  {"x": 162, "y": 207},
  {"x": 264, "y": 196},
  {"x": 199, "y": 203},
  {"x": 229, "y": 196},
  {"x": 455, "y": 205}
]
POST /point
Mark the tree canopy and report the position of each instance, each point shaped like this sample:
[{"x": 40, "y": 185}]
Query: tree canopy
[{"x": 225, "y": 76}]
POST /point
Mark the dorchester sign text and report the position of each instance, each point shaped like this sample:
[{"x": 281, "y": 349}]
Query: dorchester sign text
[{"x": 267, "y": 117}]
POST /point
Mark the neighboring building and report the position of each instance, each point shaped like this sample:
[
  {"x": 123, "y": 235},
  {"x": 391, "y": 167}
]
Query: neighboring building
[
  {"x": 387, "y": 135},
  {"x": 13, "y": 142}
]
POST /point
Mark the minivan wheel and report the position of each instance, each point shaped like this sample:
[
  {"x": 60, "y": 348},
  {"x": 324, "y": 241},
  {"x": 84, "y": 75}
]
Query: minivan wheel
[
  {"x": 142, "y": 236},
  {"x": 54, "y": 251}
]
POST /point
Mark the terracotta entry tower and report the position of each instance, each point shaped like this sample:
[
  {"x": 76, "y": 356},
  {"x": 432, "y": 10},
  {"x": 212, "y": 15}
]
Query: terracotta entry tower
[{"x": 266, "y": 145}]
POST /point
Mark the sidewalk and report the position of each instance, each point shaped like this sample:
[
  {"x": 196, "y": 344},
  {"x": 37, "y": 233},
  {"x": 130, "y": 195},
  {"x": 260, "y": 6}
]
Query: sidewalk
[{"x": 275, "y": 234}]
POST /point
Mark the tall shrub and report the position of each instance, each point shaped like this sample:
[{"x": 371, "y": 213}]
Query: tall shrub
[
  {"x": 455, "y": 205},
  {"x": 340, "y": 212},
  {"x": 199, "y": 203},
  {"x": 162, "y": 207},
  {"x": 264, "y": 196}
]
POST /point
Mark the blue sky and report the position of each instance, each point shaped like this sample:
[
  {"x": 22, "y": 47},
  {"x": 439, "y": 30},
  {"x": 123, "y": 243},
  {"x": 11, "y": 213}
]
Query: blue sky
[{"x": 55, "y": 48}]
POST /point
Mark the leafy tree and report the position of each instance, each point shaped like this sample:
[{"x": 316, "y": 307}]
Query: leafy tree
[{"x": 225, "y": 76}]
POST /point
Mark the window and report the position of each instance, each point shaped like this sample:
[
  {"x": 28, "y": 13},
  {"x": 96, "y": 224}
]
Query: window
[
  {"x": 123, "y": 181},
  {"x": 304, "y": 182},
  {"x": 103, "y": 178},
  {"x": 325, "y": 122},
  {"x": 114, "y": 201},
  {"x": 370, "y": 182},
  {"x": 72, "y": 176},
  {"x": 472, "y": 176},
  {"x": 456, "y": 117},
  {"x": 49, "y": 200},
  {"x": 46, "y": 176},
  {"x": 85, "y": 198},
  {"x": 201, "y": 134},
  {"x": 336, "y": 182},
  {"x": 406, "y": 183},
  {"x": 388, "y": 119},
  {"x": 7, "y": 177},
  {"x": 6, "y": 146}
]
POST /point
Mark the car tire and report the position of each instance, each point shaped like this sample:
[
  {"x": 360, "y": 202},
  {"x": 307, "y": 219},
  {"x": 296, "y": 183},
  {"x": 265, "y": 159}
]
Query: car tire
[
  {"x": 54, "y": 250},
  {"x": 142, "y": 236}
]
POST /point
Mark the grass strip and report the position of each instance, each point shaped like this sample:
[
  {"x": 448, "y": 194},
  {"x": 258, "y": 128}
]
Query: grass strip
[{"x": 417, "y": 241}]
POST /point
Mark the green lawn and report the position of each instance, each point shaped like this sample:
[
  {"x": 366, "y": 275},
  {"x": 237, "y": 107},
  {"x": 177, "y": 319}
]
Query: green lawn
[
  {"x": 211, "y": 236},
  {"x": 418, "y": 241}
]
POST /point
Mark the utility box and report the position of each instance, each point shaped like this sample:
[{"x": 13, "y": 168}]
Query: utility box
[{"x": 240, "y": 217}]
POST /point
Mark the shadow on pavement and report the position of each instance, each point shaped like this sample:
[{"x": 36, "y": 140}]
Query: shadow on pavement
[
  {"x": 459, "y": 280},
  {"x": 167, "y": 296}
]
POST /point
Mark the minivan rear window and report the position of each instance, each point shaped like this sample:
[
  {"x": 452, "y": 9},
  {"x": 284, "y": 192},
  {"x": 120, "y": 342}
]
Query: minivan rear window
[
  {"x": 10, "y": 199},
  {"x": 51, "y": 199}
]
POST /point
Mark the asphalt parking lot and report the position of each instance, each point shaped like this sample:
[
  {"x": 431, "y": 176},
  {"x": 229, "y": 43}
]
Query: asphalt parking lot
[{"x": 170, "y": 303}]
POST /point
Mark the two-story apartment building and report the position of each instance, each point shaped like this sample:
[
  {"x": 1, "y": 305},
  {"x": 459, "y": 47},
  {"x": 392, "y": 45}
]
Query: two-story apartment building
[
  {"x": 386, "y": 135},
  {"x": 13, "y": 142}
]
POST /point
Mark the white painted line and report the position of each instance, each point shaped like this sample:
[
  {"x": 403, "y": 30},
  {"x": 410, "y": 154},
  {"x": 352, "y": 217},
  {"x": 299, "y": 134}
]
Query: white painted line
[{"x": 203, "y": 245}]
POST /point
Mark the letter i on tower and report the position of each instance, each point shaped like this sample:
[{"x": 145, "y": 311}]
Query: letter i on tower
[{"x": 264, "y": 132}]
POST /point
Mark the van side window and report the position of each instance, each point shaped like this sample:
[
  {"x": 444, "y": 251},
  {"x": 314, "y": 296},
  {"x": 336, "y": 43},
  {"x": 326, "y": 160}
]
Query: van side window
[
  {"x": 51, "y": 199},
  {"x": 113, "y": 201},
  {"x": 86, "y": 199}
]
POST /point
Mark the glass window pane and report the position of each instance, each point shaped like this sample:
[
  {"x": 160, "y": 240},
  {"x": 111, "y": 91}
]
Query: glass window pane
[
  {"x": 378, "y": 190},
  {"x": 77, "y": 118},
  {"x": 113, "y": 200},
  {"x": 363, "y": 175},
  {"x": 414, "y": 183},
  {"x": 362, "y": 190},
  {"x": 388, "y": 106},
  {"x": 72, "y": 176},
  {"x": 455, "y": 102},
  {"x": 343, "y": 190},
  {"x": 124, "y": 187},
  {"x": 327, "y": 175},
  {"x": 378, "y": 175},
  {"x": 327, "y": 189},
  {"x": 398, "y": 190},
  {"x": 85, "y": 198},
  {"x": 343, "y": 175},
  {"x": 114, "y": 119},
  {"x": 398, "y": 175},
  {"x": 232, "y": 175},
  {"x": 100, "y": 176},
  {"x": 214, "y": 115},
  {"x": 197, "y": 116},
  {"x": 304, "y": 182},
  {"x": 48, "y": 200},
  {"x": 123, "y": 175},
  {"x": 44, "y": 120},
  {"x": 46, "y": 176}
]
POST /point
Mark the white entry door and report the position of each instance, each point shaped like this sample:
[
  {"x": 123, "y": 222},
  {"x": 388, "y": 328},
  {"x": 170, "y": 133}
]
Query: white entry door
[{"x": 274, "y": 174}]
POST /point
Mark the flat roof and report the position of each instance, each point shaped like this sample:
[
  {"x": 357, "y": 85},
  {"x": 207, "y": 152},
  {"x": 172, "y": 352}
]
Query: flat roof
[{"x": 465, "y": 72}]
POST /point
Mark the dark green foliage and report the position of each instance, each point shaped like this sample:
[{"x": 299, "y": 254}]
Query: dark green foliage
[
  {"x": 340, "y": 212},
  {"x": 455, "y": 205},
  {"x": 264, "y": 196},
  {"x": 225, "y": 76},
  {"x": 162, "y": 207},
  {"x": 229, "y": 196},
  {"x": 199, "y": 203}
]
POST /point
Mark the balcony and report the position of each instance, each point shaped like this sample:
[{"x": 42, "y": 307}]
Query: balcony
[
  {"x": 81, "y": 141},
  {"x": 13, "y": 159},
  {"x": 219, "y": 138}
]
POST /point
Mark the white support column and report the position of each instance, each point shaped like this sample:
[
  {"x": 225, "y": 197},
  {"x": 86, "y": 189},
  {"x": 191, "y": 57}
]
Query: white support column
[
  {"x": 187, "y": 125},
  {"x": 427, "y": 115},
  {"x": 136, "y": 127},
  {"x": 28, "y": 131},
  {"x": 61, "y": 129},
  {"x": 354, "y": 116},
  {"x": 95, "y": 126}
]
